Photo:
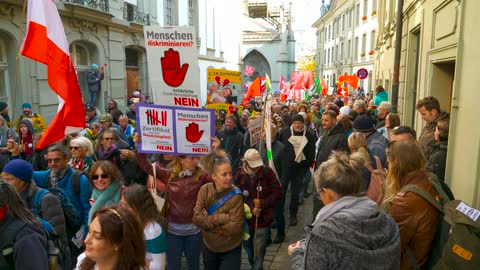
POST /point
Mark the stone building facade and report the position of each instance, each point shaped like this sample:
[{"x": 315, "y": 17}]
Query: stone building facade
[
  {"x": 102, "y": 32},
  {"x": 346, "y": 33},
  {"x": 439, "y": 57}
]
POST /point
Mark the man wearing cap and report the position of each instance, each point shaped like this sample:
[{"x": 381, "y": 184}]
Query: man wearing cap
[
  {"x": 231, "y": 141},
  {"x": 260, "y": 189},
  {"x": 18, "y": 173},
  {"x": 220, "y": 119},
  {"x": 36, "y": 118},
  {"x": 91, "y": 115},
  {"x": 303, "y": 143},
  {"x": 93, "y": 79},
  {"x": 106, "y": 121},
  {"x": 377, "y": 143}
]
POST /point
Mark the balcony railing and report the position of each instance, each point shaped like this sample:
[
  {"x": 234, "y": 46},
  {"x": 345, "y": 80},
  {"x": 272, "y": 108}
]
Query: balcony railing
[
  {"x": 260, "y": 36},
  {"x": 131, "y": 14},
  {"x": 101, "y": 5}
]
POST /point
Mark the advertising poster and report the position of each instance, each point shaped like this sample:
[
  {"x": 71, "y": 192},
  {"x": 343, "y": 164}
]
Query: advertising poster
[
  {"x": 173, "y": 65},
  {"x": 224, "y": 86},
  {"x": 175, "y": 130}
]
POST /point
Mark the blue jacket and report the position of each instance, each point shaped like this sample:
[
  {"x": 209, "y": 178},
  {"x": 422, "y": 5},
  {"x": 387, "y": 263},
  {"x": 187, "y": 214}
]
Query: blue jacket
[{"x": 82, "y": 203}]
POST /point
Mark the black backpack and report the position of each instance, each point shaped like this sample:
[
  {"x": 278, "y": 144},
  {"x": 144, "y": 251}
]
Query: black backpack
[{"x": 72, "y": 221}]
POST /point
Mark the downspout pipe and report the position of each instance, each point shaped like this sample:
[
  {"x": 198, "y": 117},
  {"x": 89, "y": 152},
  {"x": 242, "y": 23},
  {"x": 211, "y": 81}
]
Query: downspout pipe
[{"x": 398, "y": 53}]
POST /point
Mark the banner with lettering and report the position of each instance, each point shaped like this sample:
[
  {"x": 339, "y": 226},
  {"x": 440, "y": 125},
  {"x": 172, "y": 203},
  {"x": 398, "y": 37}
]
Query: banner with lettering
[
  {"x": 172, "y": 55},
  {"x": 175, "y": 130},
  {"x": 223, "y": 86}
]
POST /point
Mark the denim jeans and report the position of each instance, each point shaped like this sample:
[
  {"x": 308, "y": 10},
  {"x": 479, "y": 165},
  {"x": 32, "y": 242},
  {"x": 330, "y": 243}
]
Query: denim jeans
[
  {"x": 261, "y": 246},
  {"x": 306, "y": 181},
  {"x": 93, "y": 99},
  {"x": 178, "y": 244},
  {"x": 228, "y": 260}
]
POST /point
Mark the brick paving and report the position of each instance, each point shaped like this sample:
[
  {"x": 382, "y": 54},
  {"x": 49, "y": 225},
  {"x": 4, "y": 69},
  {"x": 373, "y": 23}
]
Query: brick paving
[{"x": 276, "y": 257}]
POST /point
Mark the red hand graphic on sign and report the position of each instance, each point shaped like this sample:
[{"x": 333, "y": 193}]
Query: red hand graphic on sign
[
  {"x": 193, "y": 134},
  {"x": 173, "y": 75}
]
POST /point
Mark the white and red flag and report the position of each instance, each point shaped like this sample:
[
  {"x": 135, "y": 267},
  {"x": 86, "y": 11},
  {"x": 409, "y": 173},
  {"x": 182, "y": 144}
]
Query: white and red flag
[{"x": 46, "y": 43}]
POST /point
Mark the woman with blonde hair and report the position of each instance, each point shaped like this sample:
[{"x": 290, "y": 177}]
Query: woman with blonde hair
[
  {"x": 415, "y": 216},
  {"x": 219, "y": 212},
  {"x": 349, "y": 232},
  {"x": 183, "y": 179},
  {"x": 357, "y": 142}
]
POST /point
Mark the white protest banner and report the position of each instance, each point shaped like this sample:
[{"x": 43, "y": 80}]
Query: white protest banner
[
  {"x": 255, "y": 127},
  {"x": 175, "y": 130},
  {"x": 172, "y": 55}
]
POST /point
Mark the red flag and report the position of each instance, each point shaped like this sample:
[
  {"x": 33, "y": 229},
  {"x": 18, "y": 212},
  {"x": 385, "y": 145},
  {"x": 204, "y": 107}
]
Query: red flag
[
  {"x": 282, "y": 82},
  {"x": 249, "y": 70},
  {"x": 46, "y": 43},
  {"x": 253, "y": 91},
  {"x": 342, "y": 91},
  {"x": 324, "y": 87}
]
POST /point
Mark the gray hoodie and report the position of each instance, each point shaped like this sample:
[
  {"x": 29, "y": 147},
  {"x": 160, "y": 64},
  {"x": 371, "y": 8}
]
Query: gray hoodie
[{"x": 350, "y": 233}]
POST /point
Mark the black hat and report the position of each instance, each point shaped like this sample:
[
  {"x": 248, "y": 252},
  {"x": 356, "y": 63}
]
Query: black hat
[
  {"x": 3, "y": 105},
  {"x": 363, "y": 123},
  {"x": 89, "y": 108},
  {"x": 298, "y": 117}
]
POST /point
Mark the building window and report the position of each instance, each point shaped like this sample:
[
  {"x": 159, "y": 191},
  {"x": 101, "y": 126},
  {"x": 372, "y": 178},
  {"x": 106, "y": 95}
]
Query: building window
[
  {"x": 364, "y": 43},
  {"x": 334, "y": 29},
  {"x": 343, "y": 22},
  {"x": 82, "y": 58},
  {"x": 341, "y": 50},
  {"x": 129, "y": 12},
  {"x": 357, "y": 14},
  {"x": 372, "y": 40},
  {"x": 365, "y": 7},
  {"x": 131, "y": 57},
  {"x": 374, "y": 5},
  {"x": 170, "y": 16},
  {"x": 325, "y": 61},
  {"x": 350, "y": 17},
  {"x": 355, "y": 50},
  {"x": 349, "y": 48}
]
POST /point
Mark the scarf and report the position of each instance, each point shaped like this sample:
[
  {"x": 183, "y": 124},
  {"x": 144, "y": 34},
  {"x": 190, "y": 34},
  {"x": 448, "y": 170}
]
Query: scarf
[
  {"x": 348, "y": 206},
  {"x": 108, "y": 197},
  {"x": 106, "y": 154},
  {"x": 54, "y": 177},
  {"x": 185, "y": 173}
]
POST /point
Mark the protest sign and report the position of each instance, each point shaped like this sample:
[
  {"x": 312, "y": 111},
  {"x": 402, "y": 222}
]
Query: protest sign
[
  {"x": 172, "y": 55},
  {"x": 255, "y": 127},
  {"x": 224, "y": 86},
  {"x": 175, "y": 130}
]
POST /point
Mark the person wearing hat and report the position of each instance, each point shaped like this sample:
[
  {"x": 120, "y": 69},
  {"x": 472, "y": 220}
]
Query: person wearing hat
[
  {"x": 377, "y": 143},
  {"x": 18, "y": 173},
  {"x": 94, "y": 78},
  {"x": 36, "y": 118},
  {"x": 106, "y": 122},
  {"x": 91, "y": 114},
  {"x": 261, "y": 190},
  {"x": 303, "y": 143},
  {"x": 220, "y": 119},
  {"x": 4, "y": 113}
]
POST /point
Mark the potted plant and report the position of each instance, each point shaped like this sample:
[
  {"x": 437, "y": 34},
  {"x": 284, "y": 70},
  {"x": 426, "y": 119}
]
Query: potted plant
[
  {"x": 374, "y": 12},
  {"x": 362, "y": 54},
  {"x": 371, "y": 52},
  {"x": 364, "y": 18}
]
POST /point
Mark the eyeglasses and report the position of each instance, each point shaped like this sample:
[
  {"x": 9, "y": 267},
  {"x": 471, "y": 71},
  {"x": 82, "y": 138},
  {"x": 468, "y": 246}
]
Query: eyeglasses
[
  {"x": 53, "y": 160},
  {"x": 103, "y": 176},
  {"x": 108, "y": 139},
  {"x": 74, "y": 148}
]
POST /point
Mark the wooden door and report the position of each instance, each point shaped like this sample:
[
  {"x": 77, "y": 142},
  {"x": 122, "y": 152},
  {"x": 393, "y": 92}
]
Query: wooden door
[{"x": 132, "y": 81}]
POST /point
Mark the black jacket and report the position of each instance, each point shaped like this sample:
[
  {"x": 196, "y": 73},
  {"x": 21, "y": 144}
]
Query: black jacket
[
  {"x": 334, "y": 140},
  {"x": 438, "y": 159},
  {"x": 231, "y": 141},
  {"x": 282, "y": 156},
  {"x": 308, "y": 150}
]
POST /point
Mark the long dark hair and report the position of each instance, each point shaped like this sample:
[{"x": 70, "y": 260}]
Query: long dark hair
[
  {"x": 140, "y": 200},
  {"x": 15, "y": 205},
  {"x": 120, "y": 227}
]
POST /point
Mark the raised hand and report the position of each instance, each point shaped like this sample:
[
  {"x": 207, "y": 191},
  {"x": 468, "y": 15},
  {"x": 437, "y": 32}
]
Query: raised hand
[
  {"x": 173, "y": 74},
  {"x": 193, "y": 134}
]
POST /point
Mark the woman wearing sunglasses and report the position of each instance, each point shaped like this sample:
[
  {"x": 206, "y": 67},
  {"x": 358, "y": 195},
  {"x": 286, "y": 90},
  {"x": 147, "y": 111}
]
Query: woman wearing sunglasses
[
  {"x": 81, "y": 150},
  {"x": 105, "y": 180}
]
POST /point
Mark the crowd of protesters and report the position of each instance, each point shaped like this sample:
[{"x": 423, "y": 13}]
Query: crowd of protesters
[{"x": 232, "y": 197}]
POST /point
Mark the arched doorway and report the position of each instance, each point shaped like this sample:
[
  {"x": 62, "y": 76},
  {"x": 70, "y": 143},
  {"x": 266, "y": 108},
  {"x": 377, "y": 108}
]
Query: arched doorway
[
  {"x": 8, "y": 53},
  {"x": 135, "y": 70},
  {"x": 259, "y": 62}
]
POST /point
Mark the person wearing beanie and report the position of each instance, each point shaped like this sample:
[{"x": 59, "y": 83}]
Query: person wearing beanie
[
  {"x": 4, "y": 113},
  {"x": 18, "y": 173},
  {"x": 94, "y": 78},
  {"x": 36, "y": 119},
  {"x": 303, "y": 143},
  {"x": 377, "y": 143}
]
